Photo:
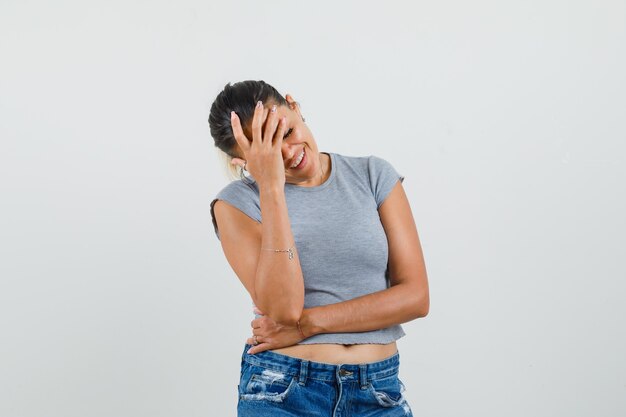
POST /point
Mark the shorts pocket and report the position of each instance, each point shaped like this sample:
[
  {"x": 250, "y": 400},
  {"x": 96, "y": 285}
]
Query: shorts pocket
[
  {"x": 264, "y": 384},
  {"x": 388, "y": 391}
]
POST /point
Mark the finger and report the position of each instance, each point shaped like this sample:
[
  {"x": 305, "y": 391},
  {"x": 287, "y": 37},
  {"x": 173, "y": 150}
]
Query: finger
[
  {"x": 270, "y": 126},
  {"x": 240, "y": 137},
  {"x": 261, "y": 347},
  {"x": 280, "y": 132},
  {"x": 259, "y": 339},
  {"x": 257, "y": 311},
  {"x": 255, "y": 323},
  {"x": 257, "y": 123}
]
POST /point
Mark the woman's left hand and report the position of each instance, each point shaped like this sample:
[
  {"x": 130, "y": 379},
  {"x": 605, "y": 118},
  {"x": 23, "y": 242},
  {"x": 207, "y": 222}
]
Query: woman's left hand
[{"x": 271, "y": 334}]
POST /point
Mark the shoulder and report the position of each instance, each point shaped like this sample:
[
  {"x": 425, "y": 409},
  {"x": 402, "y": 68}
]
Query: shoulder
[
  {"x": 375, "y": 164},
  {"x": 370, "y": 166},
  {"x": 383, "y": 177},
  {"x": 356, "y": 165},
  {"x": 247, "y": 187},
  {"x": 241, "y": 194}
]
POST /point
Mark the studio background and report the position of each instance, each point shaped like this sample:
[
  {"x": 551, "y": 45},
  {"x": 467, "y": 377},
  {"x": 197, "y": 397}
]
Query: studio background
[{"x": 506, "y": 118}]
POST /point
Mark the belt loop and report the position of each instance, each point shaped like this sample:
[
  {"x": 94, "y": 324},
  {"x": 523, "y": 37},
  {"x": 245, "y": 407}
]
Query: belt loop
[
  {"x": 363, "y": 375},
  {"x": 303, "y": 372}
]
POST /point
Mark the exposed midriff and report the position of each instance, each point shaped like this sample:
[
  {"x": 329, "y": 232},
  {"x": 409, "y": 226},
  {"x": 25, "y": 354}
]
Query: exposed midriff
[{"x": 340, "y": 354}]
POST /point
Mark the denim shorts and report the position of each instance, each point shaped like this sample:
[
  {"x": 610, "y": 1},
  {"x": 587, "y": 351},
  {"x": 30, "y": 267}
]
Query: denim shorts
[{"x": 273, "y": 384}]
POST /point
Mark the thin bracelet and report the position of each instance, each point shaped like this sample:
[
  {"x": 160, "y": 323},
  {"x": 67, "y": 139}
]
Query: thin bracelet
[{"x": 290, "y": 250}]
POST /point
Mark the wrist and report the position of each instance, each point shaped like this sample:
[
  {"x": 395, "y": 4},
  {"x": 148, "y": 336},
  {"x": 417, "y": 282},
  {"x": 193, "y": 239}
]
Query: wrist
[
  {"x": 271, "y": 189},
  {"x": 307, "y": 323}
]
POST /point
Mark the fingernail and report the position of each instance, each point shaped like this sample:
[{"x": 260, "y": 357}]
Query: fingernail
[
  {"x": 274, "y": 108},
  {"x": 248, "y": 352},
  {"x": 259, "y": 104}
]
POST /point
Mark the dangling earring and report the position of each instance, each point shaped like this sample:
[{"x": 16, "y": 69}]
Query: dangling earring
[
  {"x": 303, "y": 119},
  {"x": 241, "y": 169}
]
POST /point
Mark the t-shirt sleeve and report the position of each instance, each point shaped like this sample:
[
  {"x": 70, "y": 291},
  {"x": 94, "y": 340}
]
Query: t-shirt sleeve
[
  {"x": 239, "y": 197},
  {"x": 383, "y": 177}
]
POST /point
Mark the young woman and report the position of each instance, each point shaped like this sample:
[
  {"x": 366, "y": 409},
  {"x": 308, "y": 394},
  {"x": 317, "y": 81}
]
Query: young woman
[{"x": 327, "y": 248}]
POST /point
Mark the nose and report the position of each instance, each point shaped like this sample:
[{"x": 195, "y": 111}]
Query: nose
[{"x": 289, "y": 151}]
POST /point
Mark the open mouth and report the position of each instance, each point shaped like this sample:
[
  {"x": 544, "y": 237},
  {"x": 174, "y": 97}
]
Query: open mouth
[{"x": 299, "y": 161}]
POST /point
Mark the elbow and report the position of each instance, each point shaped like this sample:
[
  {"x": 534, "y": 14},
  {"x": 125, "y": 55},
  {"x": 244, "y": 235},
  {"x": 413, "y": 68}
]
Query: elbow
[
  {"x": 286, "y": 317},
  {"x": 423, "y": 312},
  {"x": 421, "y": 305},
  {"x": 291, "y": 319},
  {"x": 287, "y": 314}
]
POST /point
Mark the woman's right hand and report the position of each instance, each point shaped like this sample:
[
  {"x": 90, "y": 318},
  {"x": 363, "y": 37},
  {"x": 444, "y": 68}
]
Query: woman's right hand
[{"x": 264, "y": 152}]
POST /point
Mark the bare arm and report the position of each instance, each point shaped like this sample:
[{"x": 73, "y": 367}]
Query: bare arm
[
  {"x": 273, "y": 279},
  {"x": 408, "y": 296},
  {"x": 279, "y": 284},
  {"x": 274, "y": 282}
]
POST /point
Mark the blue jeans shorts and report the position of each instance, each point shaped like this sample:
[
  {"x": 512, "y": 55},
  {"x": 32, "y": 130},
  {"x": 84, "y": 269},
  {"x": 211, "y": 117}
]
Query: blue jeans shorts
[{"x": 272, "y": 384}]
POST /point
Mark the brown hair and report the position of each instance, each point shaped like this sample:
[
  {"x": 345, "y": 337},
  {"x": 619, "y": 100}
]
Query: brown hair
[{"x": 242, "y": 98}]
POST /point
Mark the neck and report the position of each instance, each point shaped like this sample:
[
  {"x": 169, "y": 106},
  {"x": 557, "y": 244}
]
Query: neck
[{"x": 324, "y": 163}]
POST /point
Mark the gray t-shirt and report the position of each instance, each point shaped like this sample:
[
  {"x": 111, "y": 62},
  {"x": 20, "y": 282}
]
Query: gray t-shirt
[{"x": 339, "y": 237}]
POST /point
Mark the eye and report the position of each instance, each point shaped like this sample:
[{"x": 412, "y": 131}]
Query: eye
[{"x": 288, "y": 133}]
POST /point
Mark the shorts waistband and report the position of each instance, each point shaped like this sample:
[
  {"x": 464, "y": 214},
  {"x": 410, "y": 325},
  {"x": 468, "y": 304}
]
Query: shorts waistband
[{"x": 304, "y": 368}]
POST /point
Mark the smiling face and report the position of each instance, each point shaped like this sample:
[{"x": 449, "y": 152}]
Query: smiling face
[{"x": 297, "y": 138}]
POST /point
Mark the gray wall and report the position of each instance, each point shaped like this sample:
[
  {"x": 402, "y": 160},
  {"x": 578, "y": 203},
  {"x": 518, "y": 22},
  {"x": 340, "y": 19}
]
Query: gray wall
[{"x": 507, "y": 119}]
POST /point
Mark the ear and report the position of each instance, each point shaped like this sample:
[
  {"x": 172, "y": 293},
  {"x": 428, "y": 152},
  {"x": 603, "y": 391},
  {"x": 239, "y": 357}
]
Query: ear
[
  {"x": 235, "y": 152},
  {"x": 293, "y": 104}
]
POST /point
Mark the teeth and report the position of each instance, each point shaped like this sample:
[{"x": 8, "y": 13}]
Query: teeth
[{"x": 297, "y": 161}]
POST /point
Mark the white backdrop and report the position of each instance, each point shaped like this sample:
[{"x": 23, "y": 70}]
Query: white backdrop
[{"x": 507, "y": 119}]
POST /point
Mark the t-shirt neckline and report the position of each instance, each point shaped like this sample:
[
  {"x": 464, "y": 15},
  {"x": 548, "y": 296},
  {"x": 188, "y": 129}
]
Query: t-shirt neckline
[{"x": 329, "y": 180}]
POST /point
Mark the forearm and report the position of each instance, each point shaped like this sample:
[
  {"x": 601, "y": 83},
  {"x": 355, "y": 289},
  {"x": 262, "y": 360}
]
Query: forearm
[
  {"x": 398, "y": 304},
  {"x": 279, "y": 283}
]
